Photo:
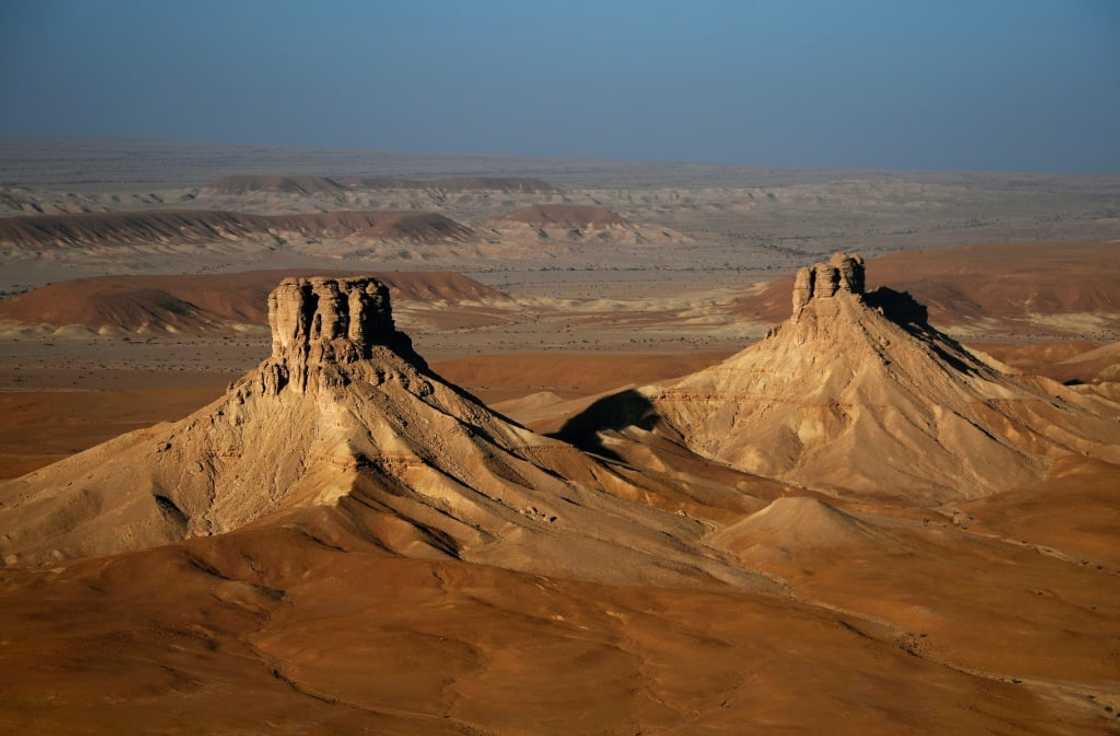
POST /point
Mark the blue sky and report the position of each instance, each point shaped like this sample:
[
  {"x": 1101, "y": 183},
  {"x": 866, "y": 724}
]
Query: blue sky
[{"x": 950, "y": 84}]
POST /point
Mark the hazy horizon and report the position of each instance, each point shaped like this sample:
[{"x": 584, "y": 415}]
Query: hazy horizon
[{"x": 866, "y": 85}]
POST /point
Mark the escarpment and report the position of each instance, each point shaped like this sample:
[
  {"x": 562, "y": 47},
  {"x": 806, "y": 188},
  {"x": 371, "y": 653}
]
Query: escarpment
[
  {"x": 117, "y": 230},
  {"x": 574, "y": 223}
]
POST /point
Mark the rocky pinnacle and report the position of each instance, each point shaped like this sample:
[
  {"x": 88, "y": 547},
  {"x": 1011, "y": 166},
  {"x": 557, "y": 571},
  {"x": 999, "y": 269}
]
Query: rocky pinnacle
[
  {"x": 322, "y": 322},
  {"x": 841, "y": 274}
]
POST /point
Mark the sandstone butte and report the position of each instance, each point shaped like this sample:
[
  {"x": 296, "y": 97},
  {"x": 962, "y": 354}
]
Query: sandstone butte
[
  {"x": 856, "y": 393},
  {"x": 345, "y": 429}
]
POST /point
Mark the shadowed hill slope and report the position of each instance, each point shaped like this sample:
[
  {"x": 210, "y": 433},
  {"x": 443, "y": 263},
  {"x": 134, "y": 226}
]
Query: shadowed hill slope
[{"x": 309, "y": 185}]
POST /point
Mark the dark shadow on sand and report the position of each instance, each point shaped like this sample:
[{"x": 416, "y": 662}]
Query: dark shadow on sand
[{"x": 627, "y": 408}]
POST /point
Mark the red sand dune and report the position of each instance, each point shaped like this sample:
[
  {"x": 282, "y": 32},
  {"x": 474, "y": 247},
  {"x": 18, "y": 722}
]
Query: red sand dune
[{"x": 196, "y": 303}]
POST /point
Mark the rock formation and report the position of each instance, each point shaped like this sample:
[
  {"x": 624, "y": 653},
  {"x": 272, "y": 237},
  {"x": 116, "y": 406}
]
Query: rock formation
[
  {"x": 842, "y": 274},
  {"x": 321, "y": 324},
  {"x": 344, "y": 431},
  {"x": 857, "y": 392}
]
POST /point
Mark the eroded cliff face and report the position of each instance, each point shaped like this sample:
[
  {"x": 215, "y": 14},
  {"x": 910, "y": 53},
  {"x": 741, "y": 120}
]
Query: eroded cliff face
[
  {"x": 842, "y": 274},
  {"x": 321, "y": 324},
  {"x": 332, "y": 317}
]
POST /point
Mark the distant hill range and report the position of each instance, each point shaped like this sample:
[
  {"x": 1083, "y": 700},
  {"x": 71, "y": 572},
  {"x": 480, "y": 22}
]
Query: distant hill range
[
  {"x": 576, "y": 223},
  {"x": 247, "y": 183},
  {"x": 204, "y": 226}
]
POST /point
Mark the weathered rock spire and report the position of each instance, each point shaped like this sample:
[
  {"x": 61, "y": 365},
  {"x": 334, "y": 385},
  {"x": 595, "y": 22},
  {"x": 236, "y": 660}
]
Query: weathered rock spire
[
  {"x": 318, "y": 323},
  {"x": 841, "y": 274},
  {"x": 309, "y": 314}
]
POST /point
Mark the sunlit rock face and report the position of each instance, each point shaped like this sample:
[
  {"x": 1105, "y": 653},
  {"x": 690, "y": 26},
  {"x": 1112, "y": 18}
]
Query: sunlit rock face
[
  {"x": 841, "y": 274},
  {"x": 318, "y": 323},
  {"x": 308, "y": 315}
]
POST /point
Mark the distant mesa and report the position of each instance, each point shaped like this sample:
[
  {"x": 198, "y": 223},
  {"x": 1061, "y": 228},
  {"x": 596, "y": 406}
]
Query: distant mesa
[
  {"x": 505, "y": 184},
  {"x": 344, "y": 433},
  {"x": 576, "y": 223},
  {"x": 311, "y": 185},
  {"x": 412, "y": 227},
  {"x": 203, "y": 226},
  {"x": 562, "y": 215},
  {"x": 204, "y": 303},
  {"x": 245, "y": 183},
  {"x": 857, "y": 393}
]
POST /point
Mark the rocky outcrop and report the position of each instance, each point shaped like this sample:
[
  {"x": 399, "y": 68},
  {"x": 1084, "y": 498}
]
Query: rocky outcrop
[
  {"x": 319, "y": 324},
  {"x": 841, "y": 274},
  {"x": 340, "y": 317}
]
